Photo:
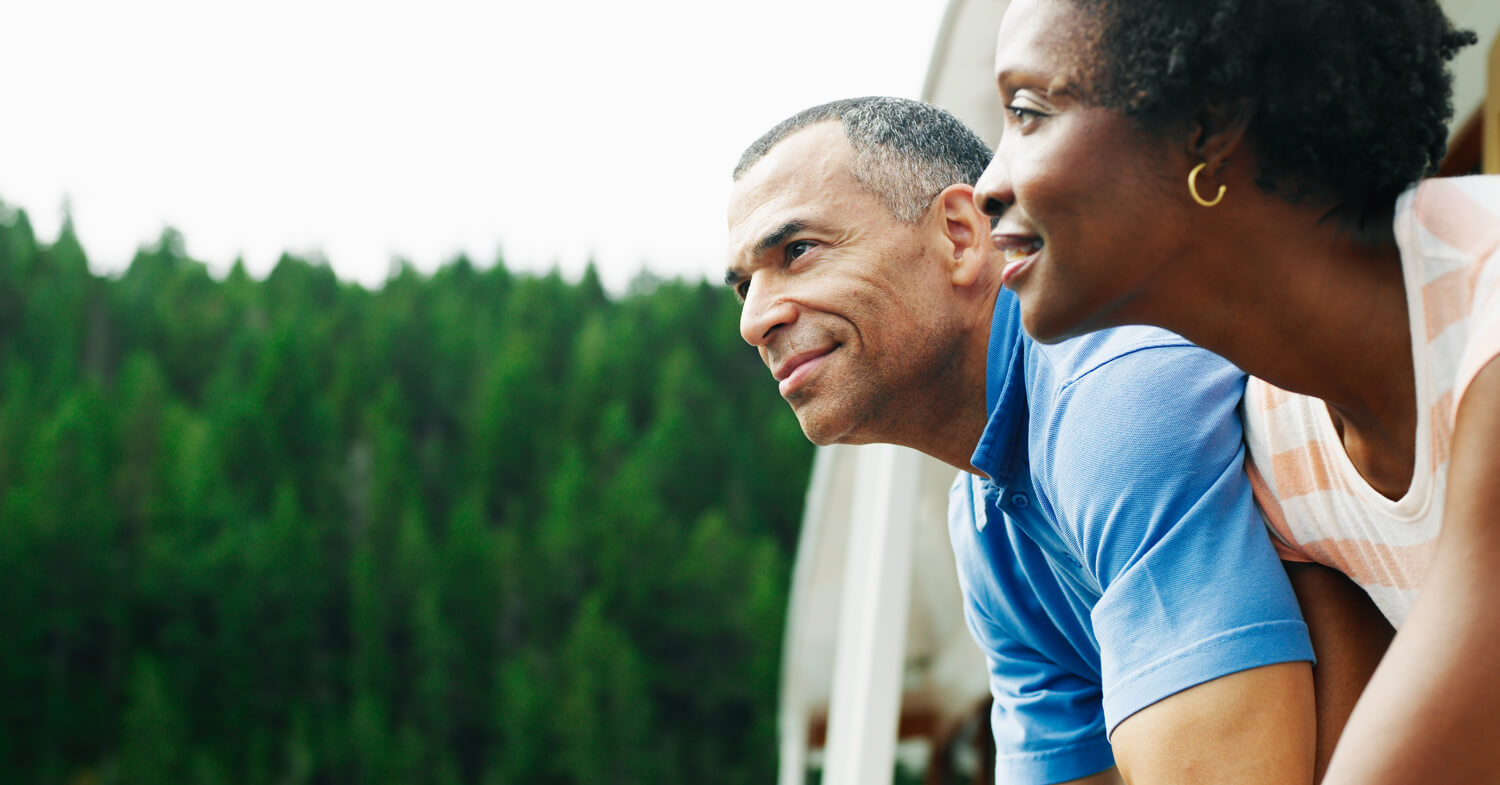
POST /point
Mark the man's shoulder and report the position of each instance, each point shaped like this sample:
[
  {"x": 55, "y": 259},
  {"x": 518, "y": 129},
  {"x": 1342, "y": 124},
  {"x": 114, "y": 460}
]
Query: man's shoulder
[
  {"x": 1134, "y": 351},
  {"x": 1136, "y": 396}
]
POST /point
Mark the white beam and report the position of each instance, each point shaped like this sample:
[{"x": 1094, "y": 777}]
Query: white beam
[{"x": 866, "y": 703}]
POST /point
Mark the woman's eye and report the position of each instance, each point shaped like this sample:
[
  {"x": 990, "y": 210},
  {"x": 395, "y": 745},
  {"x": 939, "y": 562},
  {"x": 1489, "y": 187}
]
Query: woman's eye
[
  {"x": 1023, "y": 116},
  {"x": 1025, "y": 109}
]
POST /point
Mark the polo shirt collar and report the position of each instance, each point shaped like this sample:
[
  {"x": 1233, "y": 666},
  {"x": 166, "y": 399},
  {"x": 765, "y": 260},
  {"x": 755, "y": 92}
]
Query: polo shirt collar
[{"x": 1005, "y": 393}]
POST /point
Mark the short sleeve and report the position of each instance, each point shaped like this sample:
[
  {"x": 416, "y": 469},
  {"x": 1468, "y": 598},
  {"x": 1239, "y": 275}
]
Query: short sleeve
[
  {"x": 1150, "y": 480},
  {"x": 1047, "y": 719}
]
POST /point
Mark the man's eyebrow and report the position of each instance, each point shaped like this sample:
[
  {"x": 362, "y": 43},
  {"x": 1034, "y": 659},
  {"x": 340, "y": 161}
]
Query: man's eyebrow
[
  {"x": 779, "y": 236},
  {"x": 733, "y": 276}
]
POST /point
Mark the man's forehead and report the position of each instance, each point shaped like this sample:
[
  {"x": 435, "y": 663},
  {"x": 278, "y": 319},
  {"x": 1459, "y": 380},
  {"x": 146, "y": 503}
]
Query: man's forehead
[
  {"x": 810, "y": 157},
  {"x": 806, "y": 168}
]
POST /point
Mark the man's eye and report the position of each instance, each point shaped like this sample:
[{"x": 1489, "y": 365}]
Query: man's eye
[
  {"x": 796, "y": 249},
  {"x": 743, "y": 289}
]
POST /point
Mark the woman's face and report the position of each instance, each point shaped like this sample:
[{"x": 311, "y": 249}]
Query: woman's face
[{"x": 1090, "y": 213}]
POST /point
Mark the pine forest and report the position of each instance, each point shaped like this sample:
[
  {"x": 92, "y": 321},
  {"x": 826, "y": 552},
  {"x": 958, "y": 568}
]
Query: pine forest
[{"x": 476, "y": 526}]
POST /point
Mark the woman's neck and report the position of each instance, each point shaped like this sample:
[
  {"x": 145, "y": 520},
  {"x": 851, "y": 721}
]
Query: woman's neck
[{"x": 1315, "y": 308}]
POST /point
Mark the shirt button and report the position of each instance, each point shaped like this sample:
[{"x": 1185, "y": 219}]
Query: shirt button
[{"x": 1020, "y": 500}]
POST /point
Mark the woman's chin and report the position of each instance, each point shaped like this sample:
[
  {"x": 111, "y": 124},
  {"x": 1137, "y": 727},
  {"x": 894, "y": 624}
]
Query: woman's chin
[{"x": 1048, "y": 327}]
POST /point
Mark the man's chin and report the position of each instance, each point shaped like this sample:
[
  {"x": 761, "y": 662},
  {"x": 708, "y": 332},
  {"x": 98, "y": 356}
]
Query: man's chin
[
  {"x": 825, "y": 428},
  {"x": 815, "y": 428}
]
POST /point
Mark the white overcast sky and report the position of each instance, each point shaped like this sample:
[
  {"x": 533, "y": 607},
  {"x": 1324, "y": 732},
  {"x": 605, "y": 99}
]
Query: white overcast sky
[{"x": 553, "y": 131}]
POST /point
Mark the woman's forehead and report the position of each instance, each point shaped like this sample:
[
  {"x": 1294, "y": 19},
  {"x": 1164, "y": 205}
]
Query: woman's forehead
[
  {"x": 1049, "y": 36},
  {"x": 1047, "y": 42}
]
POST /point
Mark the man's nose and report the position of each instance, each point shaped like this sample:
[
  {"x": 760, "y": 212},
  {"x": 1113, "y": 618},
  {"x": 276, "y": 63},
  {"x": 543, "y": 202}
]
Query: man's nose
[
  {"x": 992, "y": 194},
  {"x": 766, "y": 309}
]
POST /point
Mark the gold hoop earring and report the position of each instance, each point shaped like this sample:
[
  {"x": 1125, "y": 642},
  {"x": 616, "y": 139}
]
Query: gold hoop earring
[{"x": 1193, "y": 187}]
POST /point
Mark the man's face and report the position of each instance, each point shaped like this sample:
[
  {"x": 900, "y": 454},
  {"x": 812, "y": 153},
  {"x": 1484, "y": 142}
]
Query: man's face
[{"x": 850, "y": 307}]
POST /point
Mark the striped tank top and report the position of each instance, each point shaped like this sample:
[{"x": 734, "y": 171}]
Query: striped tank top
[{"x": 1316, "y": 504}]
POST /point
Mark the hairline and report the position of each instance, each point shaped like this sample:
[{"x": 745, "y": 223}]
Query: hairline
[
  {"x": 861, "y": 167},
  {"x": 881, "y": 168}
]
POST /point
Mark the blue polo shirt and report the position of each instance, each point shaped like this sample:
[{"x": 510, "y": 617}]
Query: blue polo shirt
[{"x": 1115, "y": 555}]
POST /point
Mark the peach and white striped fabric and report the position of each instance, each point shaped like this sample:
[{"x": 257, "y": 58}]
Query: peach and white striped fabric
[{"x": 1316, "y": 504}]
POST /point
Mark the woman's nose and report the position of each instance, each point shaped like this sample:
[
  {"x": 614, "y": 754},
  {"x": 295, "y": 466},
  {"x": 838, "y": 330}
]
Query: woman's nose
[{"x": 992, "y": 193}]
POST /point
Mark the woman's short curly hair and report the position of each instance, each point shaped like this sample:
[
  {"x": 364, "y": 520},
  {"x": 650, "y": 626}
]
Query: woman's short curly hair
[{"x": 1352, "y": 97}]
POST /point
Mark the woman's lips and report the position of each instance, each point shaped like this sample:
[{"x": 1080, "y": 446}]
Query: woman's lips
[{"x": 1019, "y": 255}]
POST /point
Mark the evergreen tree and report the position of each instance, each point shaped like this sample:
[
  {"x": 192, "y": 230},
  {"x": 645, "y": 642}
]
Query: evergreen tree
[{"x": 474, "y": 527}]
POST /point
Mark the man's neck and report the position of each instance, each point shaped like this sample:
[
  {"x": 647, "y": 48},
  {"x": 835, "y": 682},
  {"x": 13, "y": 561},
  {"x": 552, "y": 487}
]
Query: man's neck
[{"x": 953, "y": 436}]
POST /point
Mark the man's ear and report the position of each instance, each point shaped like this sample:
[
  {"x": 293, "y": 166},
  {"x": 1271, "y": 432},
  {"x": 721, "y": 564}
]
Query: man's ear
[
  {"x": 1217, "y": 130},
  {"x": 966, "y": 231}
]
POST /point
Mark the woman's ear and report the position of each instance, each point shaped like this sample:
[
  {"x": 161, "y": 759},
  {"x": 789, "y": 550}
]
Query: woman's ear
[
  {"x": 1217, "y": 131},
  {"x": 966, "y": 232}
]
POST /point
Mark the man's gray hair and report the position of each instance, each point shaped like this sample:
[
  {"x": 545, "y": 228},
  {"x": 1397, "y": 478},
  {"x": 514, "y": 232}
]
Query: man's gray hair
[{"x": 905, "y": 152}]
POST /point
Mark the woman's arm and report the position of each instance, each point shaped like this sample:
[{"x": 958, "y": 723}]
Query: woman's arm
[
  {"x": 1431, "y": 714},
  {"x": 1349, "y": 635}
]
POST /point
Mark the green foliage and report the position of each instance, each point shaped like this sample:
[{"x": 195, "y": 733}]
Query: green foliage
[{"x": 474, "y": 527}]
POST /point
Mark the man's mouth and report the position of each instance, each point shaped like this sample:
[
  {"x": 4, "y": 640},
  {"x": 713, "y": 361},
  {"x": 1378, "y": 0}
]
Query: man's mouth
[{"x": 795, "y": 370}]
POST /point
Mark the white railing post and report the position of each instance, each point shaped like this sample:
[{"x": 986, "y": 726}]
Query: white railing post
[{"x": 865, "y": 707}]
